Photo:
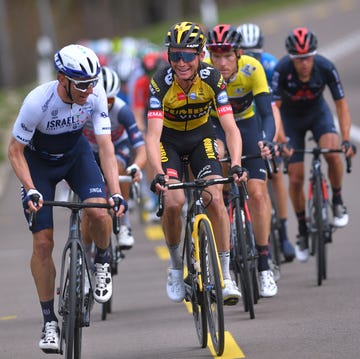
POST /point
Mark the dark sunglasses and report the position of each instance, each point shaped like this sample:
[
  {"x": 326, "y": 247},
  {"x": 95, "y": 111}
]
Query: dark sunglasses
[
  {"x": 83, "y": 85},
  {"x": 220, "y": 48},
  {"x": 185, "y": 56}
]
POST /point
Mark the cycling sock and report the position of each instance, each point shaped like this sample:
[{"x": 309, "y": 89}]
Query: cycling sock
[
  {"x": 302, "y": 227},
  {"x": 225, "y": 263},
  {"x": 102, "y": 256},
  {"x": 175, "y": 257},
  {"x": 283, "y": 229},
  {"x": 263, "y": 263},
  {"x": 48, "y": 313},
  {"x": 336, "y": 199}
]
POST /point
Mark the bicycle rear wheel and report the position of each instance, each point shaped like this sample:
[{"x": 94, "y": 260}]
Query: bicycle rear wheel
[
  {"x": 212, "y": 290},
  {"x": 241, "y": 261},
  {"x": 192, "y": 290}
]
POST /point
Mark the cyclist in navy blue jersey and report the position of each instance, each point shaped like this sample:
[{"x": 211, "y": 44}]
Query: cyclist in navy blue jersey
[
  {"x": 46, "y": 147},
  {"x": 298, "y": 84},
  {"x": 252, "y": 44}
]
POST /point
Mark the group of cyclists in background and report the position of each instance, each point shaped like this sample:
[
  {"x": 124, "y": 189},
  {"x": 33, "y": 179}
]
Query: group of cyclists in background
[{"x": 139, "y": 108}]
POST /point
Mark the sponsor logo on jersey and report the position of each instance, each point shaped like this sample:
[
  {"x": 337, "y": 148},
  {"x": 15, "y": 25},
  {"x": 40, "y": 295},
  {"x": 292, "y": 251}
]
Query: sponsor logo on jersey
[
  {"x": 181, "y": 96},
  {"x": 247, "y": 70},
  {"x": 23, "y": 126},
  {"x": 71, "y": 121},
  {"x": 154, "y": 86},
  {"x": 223, "y": 110},
  {"x": 154, "y": 102},
  {"x": 155, "y": 114},
  {"x": 104, "y": 114},
  {"x": 192, "y": 96},
  {"x": 222, "y": 97}
]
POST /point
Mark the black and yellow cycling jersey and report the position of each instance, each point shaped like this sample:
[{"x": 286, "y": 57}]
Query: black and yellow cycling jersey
[
  {"x": 249, "y": 81},
  {"x": 182, "y": 111}
]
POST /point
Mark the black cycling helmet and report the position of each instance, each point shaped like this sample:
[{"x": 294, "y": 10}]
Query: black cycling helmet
[
  {"x": 185, "y": 35},
  {"x": 223, "y": 38},
  {"x": 301, "y": 42}
]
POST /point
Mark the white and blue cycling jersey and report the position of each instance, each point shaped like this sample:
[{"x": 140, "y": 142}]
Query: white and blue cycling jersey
[
  {"x": 51, "y": 127},
  {"x": 56, "y": 149}
]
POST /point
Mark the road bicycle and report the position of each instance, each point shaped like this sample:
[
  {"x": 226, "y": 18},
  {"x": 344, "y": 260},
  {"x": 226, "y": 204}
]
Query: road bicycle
[
  {"x": 204, "y": 281},
  {"x": 76, "y": 279},
  {"x": 243, "y": 252},
  {"x": 319, "y": 222}
]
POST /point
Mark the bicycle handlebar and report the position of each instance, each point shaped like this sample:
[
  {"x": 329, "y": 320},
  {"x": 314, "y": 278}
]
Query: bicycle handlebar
[
  {"x": 317, "y": 151},
  {"x": 199, "y": 183},
  {"x": 75, "y": 206},
  {"x": 270, "y": 164}
]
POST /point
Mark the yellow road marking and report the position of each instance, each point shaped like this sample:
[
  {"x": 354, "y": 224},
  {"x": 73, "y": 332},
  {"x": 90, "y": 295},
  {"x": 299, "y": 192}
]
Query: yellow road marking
[
  {"x": 154, "y": 233},
  {"x": 9, "y": 317},
  {"x": 162, "y": 252},
  {"x": 231, "y": 351}
]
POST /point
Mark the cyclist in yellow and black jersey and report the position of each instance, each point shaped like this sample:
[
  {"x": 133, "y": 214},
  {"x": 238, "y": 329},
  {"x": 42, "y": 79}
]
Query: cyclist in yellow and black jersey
[
  {"x": 178, "y": 124},
  {"x": 247, "y": 87}
]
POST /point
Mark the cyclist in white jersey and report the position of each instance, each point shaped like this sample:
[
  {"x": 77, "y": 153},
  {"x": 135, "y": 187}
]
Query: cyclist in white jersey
[
  {"x": 46, "y": 147},
  {"x": 128, "y": 142}
]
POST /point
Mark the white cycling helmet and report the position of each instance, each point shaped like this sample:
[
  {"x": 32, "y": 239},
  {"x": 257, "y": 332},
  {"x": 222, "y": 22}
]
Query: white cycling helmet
[
  {"x": 77, "y": 61},
  {"x": 252, "y": 36},
  {"x": 111, "y": 81}
]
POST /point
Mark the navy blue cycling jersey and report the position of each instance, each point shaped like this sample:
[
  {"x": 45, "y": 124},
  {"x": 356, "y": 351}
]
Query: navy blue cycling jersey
[
  {"x": 303, "y": 106},
  {"x": 303, "y": 96}
]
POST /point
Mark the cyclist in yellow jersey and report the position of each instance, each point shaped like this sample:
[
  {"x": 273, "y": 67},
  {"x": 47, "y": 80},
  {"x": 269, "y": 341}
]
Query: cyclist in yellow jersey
[
  {"x": 246, "y": 87},
  {"x": 181, "y": 95}
]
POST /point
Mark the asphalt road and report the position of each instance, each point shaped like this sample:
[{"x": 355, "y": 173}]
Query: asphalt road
[{"x": 302, "y": 321}]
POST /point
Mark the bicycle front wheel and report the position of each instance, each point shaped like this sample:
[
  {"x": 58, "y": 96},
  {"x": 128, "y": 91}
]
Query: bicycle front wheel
[
  {"x": 320, "y": 231},
  {"x": 192, "y": 289},
  {"x": 212, "y": 290},
  {"x": 70, "y": 333}
]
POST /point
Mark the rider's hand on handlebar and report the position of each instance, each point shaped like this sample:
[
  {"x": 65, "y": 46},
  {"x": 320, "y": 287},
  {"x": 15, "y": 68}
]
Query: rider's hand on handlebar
[
  {"x": 348, "y": 148},
  {"x": 135, "y": 171},
  {"x": 33, "y": 200},
  {"x": 118, "y": 203},
  {"x": 158, "y": 183},
  {"x": 267, "y": 149},
  {"x": 286, "y": 150},
  {"x": 239, "y": 173}
]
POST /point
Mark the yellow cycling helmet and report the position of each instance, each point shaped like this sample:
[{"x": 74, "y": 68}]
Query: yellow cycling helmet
[{"x": 185, "y": 35}]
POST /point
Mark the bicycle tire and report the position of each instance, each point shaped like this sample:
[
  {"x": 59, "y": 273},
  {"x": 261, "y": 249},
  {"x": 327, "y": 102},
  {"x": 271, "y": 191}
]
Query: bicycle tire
[
  {"x": 194, "y": 295},
  {"x": 71, "y": 305},
  {"x": 251, "y": 253},
  {"x": 212, "y": 290},
  {"x": 320, "y": 227},
  {"x": 241, "y": 259}
]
